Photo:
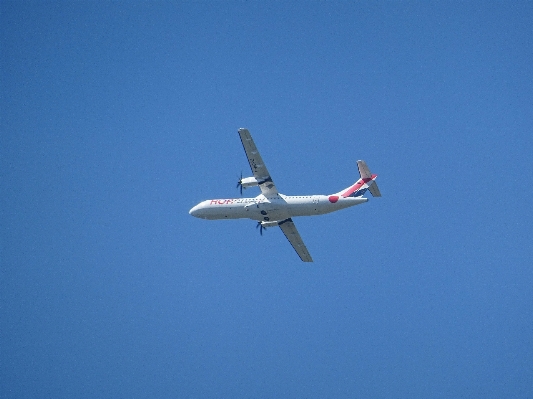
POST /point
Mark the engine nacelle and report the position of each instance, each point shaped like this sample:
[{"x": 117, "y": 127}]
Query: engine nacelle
[{"x": 248, "y": 182}]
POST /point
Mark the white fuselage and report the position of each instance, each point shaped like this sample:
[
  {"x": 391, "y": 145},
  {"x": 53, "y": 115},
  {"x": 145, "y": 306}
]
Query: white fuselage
[{"x": 274, "y": 208}]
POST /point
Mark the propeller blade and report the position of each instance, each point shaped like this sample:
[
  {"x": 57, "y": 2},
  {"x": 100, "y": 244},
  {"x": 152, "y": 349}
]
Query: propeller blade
[{"x": 239, "y": 184}]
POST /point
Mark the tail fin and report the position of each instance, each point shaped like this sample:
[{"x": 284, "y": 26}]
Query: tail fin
[
  {"x": 365, "y": 174},
  {"x": 366, "y": 182}
]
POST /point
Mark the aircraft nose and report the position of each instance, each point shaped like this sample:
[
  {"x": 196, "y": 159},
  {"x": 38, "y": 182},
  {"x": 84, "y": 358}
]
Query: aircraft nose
[{"x": 194, "y": 211}]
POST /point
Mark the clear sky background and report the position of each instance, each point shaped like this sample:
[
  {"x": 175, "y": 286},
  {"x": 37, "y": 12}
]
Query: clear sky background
[{"x": 117, "y": 118}]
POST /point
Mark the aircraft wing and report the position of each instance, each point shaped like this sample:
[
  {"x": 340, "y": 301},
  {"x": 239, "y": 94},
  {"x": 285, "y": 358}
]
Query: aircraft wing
[
  {"x": 257, "y": 165},
  {"x": 289, "y": 229}
]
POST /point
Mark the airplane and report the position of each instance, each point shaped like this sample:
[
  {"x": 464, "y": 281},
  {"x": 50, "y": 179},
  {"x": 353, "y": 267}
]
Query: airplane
[{"x": 271, "y": 208}]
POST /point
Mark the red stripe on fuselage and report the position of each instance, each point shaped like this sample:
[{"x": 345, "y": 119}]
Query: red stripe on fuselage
[{"x": 357, "y": 186}]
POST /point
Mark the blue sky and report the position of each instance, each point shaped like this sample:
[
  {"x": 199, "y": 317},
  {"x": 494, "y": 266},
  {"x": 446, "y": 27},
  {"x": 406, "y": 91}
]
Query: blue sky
[{"x": 118, "y": 117}]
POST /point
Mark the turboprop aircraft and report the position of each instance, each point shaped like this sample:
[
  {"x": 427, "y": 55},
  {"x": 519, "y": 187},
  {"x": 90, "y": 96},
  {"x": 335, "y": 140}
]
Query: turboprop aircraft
[{"x": 270, "y": 208}]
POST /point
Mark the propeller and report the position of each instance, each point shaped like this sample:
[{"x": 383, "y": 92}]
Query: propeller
[
  {"x": 261, "y": 227},
  {"x": 239, "y": 184}
]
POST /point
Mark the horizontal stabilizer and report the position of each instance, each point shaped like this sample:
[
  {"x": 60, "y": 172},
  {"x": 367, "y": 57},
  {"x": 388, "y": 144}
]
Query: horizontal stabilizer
[
  {"x": 374, "y": 190},
  {"x": 363, "y": 170}
]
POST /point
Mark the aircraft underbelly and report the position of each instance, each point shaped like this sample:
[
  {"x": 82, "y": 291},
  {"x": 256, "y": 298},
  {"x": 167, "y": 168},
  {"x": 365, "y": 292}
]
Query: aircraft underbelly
[
  {"x": 225, "y": 212},
  {"x": 305, "y": 209},
  {"x": 269, "y": 212}
]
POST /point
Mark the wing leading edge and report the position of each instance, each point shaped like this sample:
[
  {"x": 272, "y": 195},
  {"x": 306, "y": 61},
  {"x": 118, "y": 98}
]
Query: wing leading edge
[
  {"x": 289, "y": 229},
  {"x": 257, "y": 165}
]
